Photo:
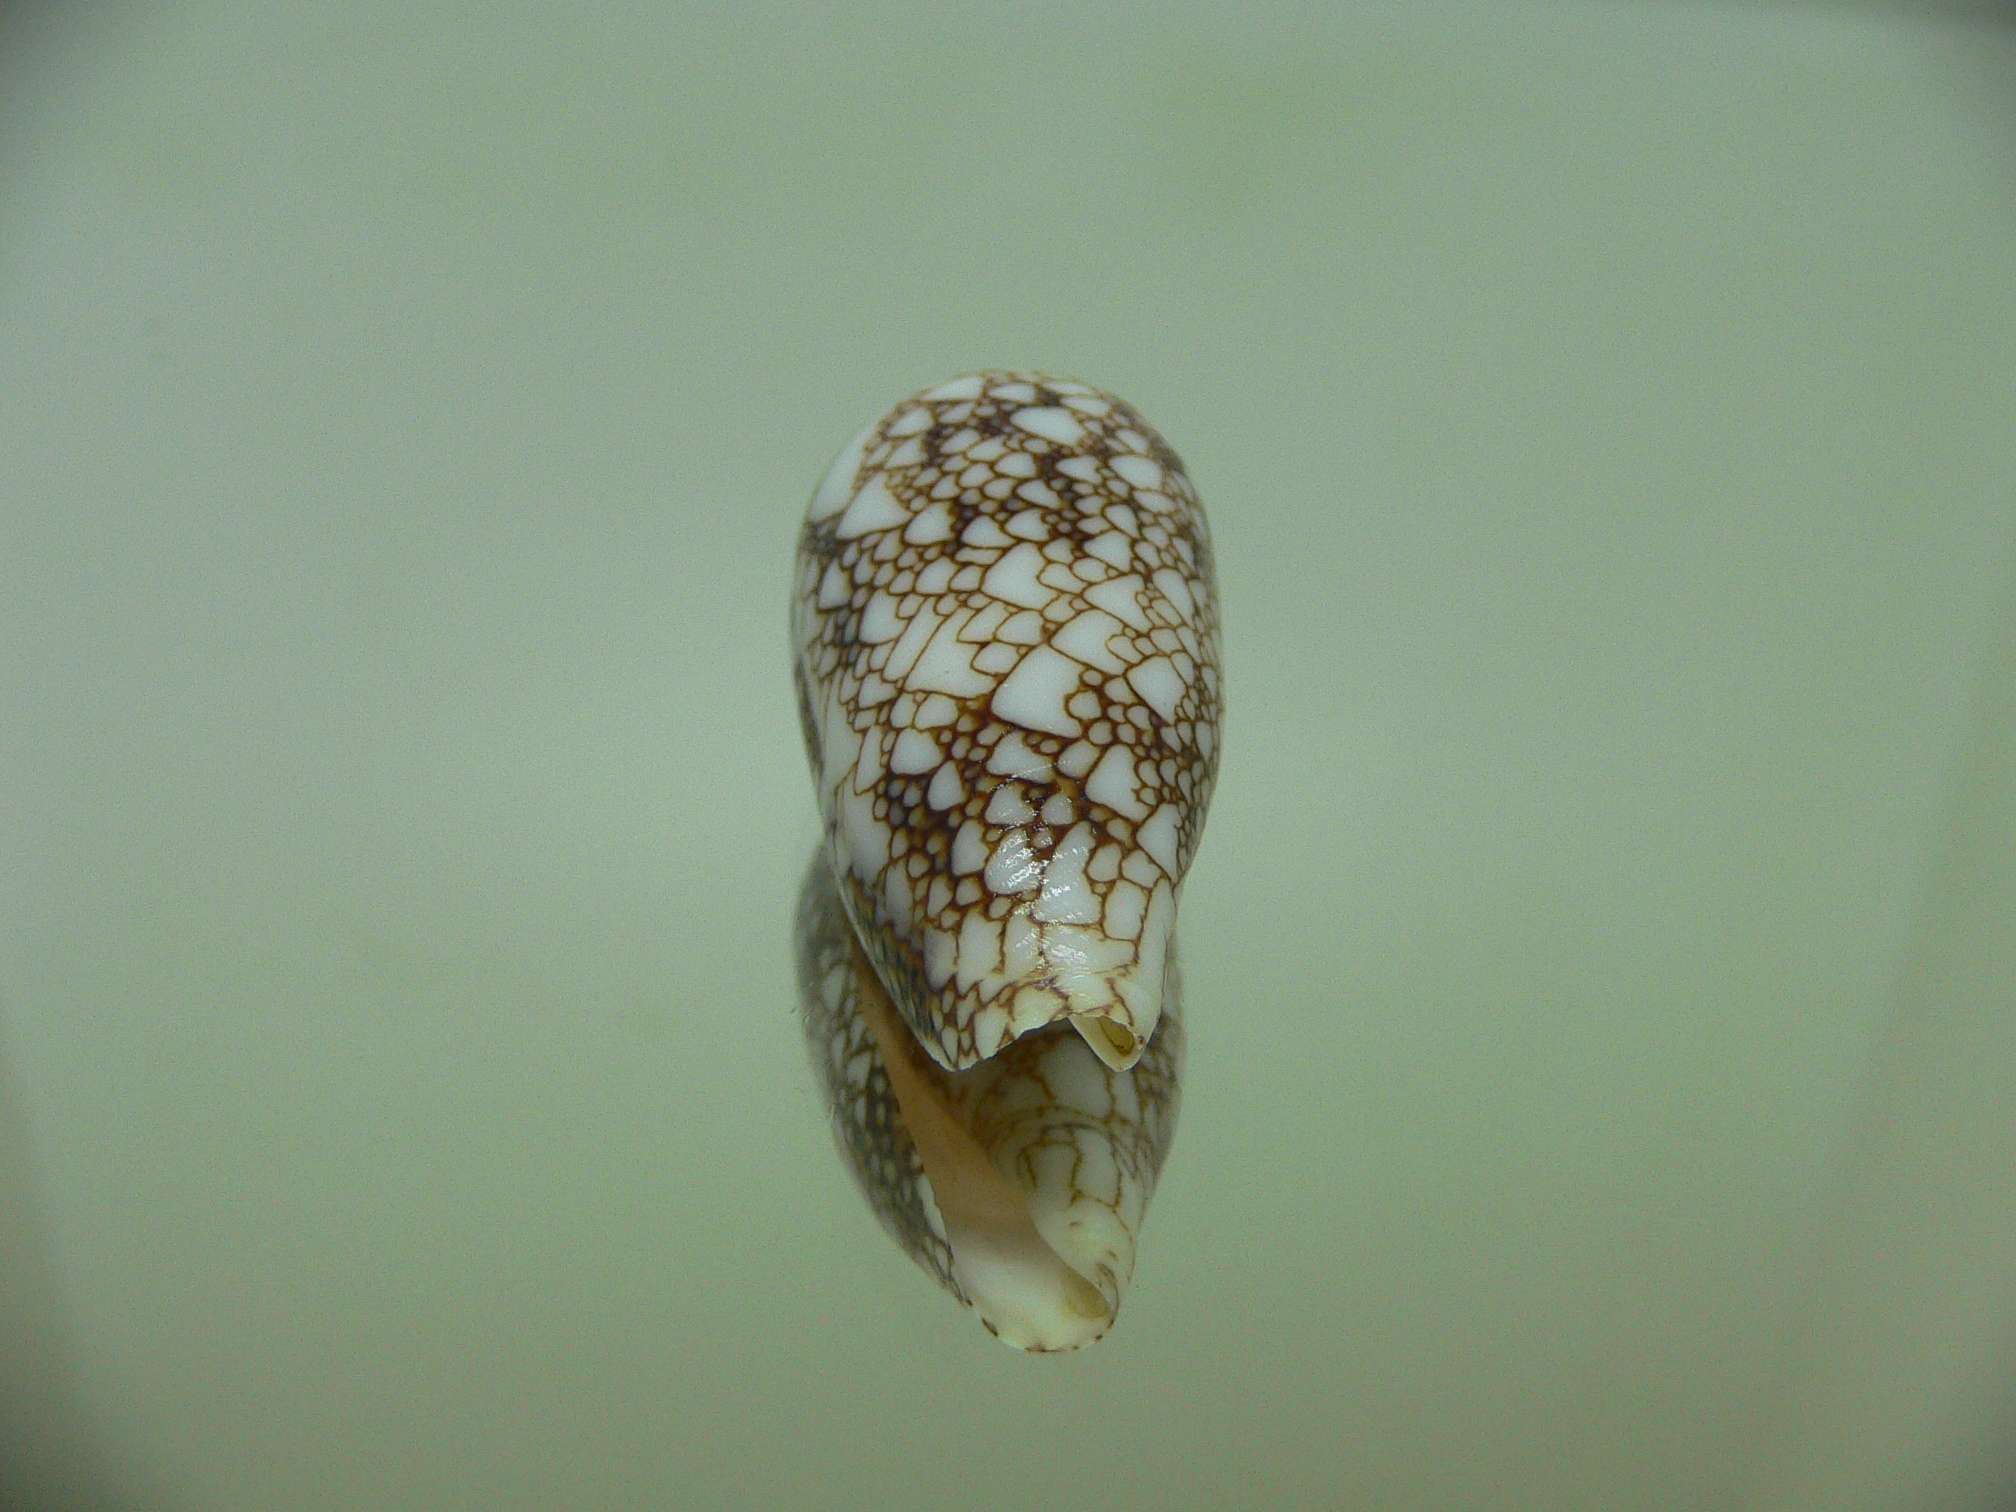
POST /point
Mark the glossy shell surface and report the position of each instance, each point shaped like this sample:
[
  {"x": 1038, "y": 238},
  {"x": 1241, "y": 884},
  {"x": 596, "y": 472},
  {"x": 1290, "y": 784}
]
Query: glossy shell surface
[{"x": 1006, "y": 635}]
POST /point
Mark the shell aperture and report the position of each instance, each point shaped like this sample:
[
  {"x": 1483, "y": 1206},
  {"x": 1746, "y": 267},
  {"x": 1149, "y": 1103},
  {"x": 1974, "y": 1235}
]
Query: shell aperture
[{"x": 1006, "y": 653}]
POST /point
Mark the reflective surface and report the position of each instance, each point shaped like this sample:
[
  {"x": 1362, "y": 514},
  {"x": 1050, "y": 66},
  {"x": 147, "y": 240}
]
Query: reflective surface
[
  {"x": 1603, "y": 415},
  {"x": 1019, "y": 1184}
]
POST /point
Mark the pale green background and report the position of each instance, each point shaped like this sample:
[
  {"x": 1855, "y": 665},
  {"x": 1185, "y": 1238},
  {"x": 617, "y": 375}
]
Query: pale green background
[{"x": 1608, "y": 421}]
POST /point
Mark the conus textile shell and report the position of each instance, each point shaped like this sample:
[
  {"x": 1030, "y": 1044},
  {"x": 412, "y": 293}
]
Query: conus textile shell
[
  {"x": 1005, "y": 628},
  {"x": 1006, "y": 637}
]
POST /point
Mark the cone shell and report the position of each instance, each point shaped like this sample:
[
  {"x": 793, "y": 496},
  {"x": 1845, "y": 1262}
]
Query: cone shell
[{"x": 1006, "y": 635}]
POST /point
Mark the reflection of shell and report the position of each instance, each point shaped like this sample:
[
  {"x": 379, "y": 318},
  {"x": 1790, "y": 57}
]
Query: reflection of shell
[
  {"x": 1006, "y": 637},
  {"x": 1019, "y": 1184},
  {"x": 1005, "y": 630}
]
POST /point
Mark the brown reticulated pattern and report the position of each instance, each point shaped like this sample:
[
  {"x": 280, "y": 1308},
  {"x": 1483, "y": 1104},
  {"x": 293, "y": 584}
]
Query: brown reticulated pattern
[
  {"x": 867, "y": 1120},
  {"x": 1006, "y": 629}
]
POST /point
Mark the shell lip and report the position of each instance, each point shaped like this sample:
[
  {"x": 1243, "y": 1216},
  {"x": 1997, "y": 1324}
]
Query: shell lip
[{"x": 1116, "y": 1044}]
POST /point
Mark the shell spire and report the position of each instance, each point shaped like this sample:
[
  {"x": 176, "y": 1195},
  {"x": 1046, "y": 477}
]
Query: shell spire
[{"x": 1005, "y": 629}]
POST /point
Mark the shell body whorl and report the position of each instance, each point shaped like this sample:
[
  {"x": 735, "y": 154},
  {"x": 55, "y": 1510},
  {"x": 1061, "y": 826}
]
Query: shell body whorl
[{"x": 1005, "y": 633}]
